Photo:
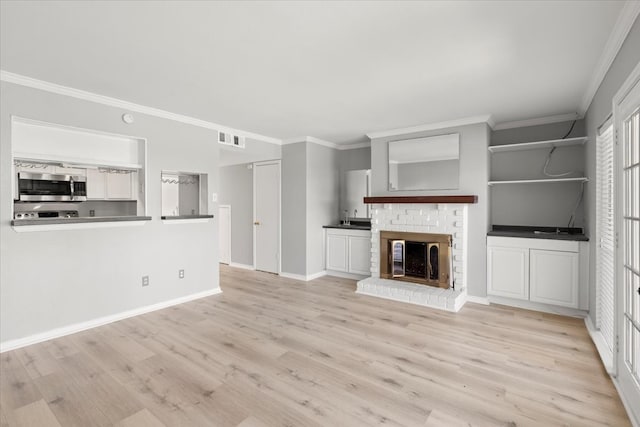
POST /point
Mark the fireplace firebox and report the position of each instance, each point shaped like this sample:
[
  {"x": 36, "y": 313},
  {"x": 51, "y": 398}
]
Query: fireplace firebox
[{"x": 416, "y": 257}]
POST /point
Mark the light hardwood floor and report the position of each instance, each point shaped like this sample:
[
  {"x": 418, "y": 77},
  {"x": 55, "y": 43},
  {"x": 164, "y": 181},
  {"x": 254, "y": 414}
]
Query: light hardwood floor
[{"x": 277, "y": 352}]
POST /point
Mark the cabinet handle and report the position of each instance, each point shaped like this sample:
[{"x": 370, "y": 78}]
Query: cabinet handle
[{"x": 256, "y": 223}]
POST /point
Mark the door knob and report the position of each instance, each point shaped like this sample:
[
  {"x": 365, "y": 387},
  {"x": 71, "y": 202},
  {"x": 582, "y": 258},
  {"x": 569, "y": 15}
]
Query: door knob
[{"x": 256, "y": 223}]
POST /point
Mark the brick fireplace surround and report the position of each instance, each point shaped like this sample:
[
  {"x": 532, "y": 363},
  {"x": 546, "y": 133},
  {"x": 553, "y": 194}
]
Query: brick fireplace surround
[{"x": 445, "y": 218}]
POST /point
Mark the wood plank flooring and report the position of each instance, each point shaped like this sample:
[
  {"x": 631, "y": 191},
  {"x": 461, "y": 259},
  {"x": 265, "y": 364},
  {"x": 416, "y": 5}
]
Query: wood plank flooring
[{"x": 271, "y": 351}]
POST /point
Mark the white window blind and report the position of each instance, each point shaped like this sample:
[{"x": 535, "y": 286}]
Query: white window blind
[{"x": 605, "y": 237}]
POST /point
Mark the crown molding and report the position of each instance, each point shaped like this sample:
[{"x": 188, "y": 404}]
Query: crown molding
[
  {"x": 21, "y": 80},
  {"x": 310, "y": 139},
  {"x": 354, "y": 146},
  {"x": 538, "y": 121},
  {"x": 626, "y": 18},
  {"x": 486, "y": 118}
]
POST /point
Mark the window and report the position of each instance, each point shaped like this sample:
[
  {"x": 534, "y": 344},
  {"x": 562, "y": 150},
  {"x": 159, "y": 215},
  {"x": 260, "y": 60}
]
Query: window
[{"x": 605, "y": 236}]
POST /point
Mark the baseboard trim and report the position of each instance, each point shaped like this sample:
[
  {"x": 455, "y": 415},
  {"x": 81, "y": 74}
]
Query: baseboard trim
[
  {"x": 243, "y": 266},
  {"x": 625, "y": 402},
  {"x": 606, "y": 355},
  {"x": 535, "y": 306},
  {"x": 316, "y": 275},
  {"x": 94, "y": 323},
  {"x": 302, "y": 277},
  {"x": 478, "y": 300},
  {"x": 346, "y": 275}
]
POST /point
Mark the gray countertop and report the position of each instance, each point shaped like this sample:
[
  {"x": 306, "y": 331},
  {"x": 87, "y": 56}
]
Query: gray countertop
[
  {"x": 348, "y": 227},
  {"x": 532, "y": 232},
  {"x": 78, "y": 220},
  {"x": 167, "y": 217}
]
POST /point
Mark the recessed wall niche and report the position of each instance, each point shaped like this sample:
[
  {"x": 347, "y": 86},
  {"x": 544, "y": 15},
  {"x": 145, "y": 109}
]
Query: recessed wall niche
[{"x": 183, "y": 193}]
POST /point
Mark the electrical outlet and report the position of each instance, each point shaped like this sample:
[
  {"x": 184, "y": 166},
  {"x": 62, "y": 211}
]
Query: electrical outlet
[
  {"x": 214, "y": 197},
  {"x": 145, "y": 280},
  {"x": 181, "y": 274},
  {"x": 92, "y": 212}
]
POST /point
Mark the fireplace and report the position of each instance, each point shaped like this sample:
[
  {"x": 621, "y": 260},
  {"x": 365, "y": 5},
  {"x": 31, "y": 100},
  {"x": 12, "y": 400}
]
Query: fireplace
[{"x": 416, "y": 257}]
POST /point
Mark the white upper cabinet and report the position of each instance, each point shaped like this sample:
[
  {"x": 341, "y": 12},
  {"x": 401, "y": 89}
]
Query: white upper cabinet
[
  {"x": 119, "y": 186},
  {"x": 103, "y": 185}
]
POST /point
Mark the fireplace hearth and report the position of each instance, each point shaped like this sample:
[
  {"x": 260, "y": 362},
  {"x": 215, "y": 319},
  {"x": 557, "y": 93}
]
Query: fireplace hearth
[{"x": 422, "y": 258}]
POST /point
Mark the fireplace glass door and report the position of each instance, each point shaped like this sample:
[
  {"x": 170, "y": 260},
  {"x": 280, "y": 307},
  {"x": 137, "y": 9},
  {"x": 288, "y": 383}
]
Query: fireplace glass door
[{"x": 397, "y": 258}]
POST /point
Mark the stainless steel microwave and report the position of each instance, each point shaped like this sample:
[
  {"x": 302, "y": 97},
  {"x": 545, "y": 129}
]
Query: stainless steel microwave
[{"x": 44, "y": 187}]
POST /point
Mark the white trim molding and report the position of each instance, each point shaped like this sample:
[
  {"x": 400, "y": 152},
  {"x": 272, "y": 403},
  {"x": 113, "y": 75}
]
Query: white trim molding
[
  {"x": 18, "y": 79},
  {"x": 302, "y": 277},
  {"x": 243, "y": 266},
  {"x": 83, "y": 326},
  {"x": 606, "y": 355},
  {"x": 314, "y": 140},
  {"x": 486, "y": 118},
  {"x": 538, "y": 121},
  {"x": 310, "y": 139},
  {"x": 478, "y": 300},
  {"x": 355, "y": 146},
  {"x": 628, "y": 15}
]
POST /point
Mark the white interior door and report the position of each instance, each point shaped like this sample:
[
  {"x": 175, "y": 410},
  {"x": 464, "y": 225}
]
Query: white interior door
[
  {"x": 627, "y": 118},
  {"x": 266, "y": 207},
  {"x": 224, "y": 223}
]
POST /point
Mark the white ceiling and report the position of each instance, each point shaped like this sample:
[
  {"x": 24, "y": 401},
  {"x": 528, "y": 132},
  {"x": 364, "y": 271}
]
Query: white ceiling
[{"x": 331, "y": 70}]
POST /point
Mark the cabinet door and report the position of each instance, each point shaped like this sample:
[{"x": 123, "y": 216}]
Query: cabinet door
[
  {"x": 337, "y": 252},
  {"x": 359, "y": 255},
  {"x": 508, "y": 272},
  {"x": 96, "y": 185},
  {"x": 554, "y": 277},
  {"x": 119, "y": 186}
]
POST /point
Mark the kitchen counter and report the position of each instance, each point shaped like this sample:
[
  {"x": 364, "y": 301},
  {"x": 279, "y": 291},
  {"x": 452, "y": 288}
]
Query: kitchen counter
[
  {"x": 77, "y": 220},
  {"x": 171, "y": 217},
  {"x": 530, "y": 232}
]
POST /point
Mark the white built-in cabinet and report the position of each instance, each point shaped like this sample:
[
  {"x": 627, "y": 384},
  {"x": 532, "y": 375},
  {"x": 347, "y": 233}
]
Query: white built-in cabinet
[
  {"x": 348, "y": 251},
  {"x": 537, "y": 270},
  {"x": 105, "y": 185},
  {"x": 508, "y": 272}
]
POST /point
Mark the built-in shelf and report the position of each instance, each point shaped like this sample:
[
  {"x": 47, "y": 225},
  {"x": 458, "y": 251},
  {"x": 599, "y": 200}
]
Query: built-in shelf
[
  {"x": 533, "y": 181},
  {"x": 422, "y": 199},
  {"x": 538, "y": 144}
]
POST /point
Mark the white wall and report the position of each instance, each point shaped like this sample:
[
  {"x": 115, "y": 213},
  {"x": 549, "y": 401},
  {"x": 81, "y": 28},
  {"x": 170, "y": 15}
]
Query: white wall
[
  {"x": 474, "y": 174},
  {"x": 59, "y": 278}
]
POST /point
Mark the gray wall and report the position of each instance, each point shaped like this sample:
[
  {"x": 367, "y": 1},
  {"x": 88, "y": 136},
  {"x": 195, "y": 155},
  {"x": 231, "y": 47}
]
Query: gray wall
[
  {"x": 322, "y": 201},
  {"x": 294, "y": 208},
  {"x": 310, "y": 200},
  {"x": 236, "y": 189},
  {"x": 627, "y": 58},
  {"x": 40, "y": 290},
  {"x": 358, "y": 158},
  {"x": 254, "y": 151},
  {"x": 536, "y": 204},
  {"x": 474, "y": 174}
]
